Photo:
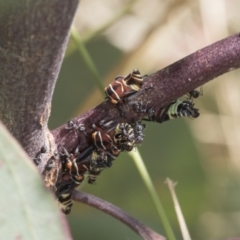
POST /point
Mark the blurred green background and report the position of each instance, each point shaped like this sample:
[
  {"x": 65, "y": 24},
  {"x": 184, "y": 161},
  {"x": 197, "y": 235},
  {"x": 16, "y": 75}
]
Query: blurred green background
[{"x": 201, "y": 155}]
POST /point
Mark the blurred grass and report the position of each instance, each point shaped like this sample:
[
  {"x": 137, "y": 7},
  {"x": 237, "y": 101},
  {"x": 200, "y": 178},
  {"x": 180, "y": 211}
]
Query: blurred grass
[
  {"x": 208, "y": 179},
  {"x": 177, "y": 206},
  {"x": 136, "y": 157},
  {"x": 87, "y": 59}
]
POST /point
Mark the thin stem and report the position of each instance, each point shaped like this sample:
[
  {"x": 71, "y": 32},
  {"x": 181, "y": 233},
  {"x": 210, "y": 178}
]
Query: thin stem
[
  {"x": 181, "y": 220},
  {"x": 145, "y": 232},
  {"x": 87, "y": 59},
  {"x": 152, "y": 192}
]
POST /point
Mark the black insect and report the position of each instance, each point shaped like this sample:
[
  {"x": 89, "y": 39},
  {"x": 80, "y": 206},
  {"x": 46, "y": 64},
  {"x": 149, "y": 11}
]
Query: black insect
[
  {"x": 99, "y": 161},
  {"x": 43, "y": 149},
  {"x": 195, "y": 93},
  {"x": 138, "y": 132},
  {"x": 39, "y": 155},
  {"x": 90, "y": 162},
  {"x": 182, "y": 109},
  {"x": 72, "y": 125},
  {"x": 72, "y": 176},
  {"x": 50, "y": 164},
  {"x": 108, "y": 140},
  {"x": 71, "y": 166},
  {"x": 117, "y": 138},
  {"x": 175, "y": 109},
  {"x": 130, "y": 135},
  {"x": 63, "y": 194}
]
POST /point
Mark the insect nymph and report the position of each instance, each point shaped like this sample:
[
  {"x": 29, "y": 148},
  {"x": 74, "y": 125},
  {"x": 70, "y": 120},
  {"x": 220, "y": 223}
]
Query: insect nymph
[
  {"x": 108, "y": 140},
  {"x": 124, "y": 87},
  {"x": 175, "y": 109}
]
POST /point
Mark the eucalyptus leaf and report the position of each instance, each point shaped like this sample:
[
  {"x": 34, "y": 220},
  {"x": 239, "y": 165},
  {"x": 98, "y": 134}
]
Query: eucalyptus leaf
[{"x": 27, "y": 209}]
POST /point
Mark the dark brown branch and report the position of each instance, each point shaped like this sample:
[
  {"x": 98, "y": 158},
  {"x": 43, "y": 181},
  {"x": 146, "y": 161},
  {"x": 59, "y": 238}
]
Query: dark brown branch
[
  {"x": 145, "y": 232},
  {"x": 33, "y": 40},
  {"x": 168, "y": 84}
]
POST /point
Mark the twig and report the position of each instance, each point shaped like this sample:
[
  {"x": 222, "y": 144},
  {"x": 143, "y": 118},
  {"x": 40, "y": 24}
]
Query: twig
[
  {"x": 181, "y": 220},
  {"x": 145, "y": 232}
]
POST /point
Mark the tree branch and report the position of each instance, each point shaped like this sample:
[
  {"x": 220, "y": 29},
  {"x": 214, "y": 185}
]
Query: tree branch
[
  {"x": 168, "y": 84},
  {"x": 33, "y": 40},
  {"x": 145, "y": 232}
]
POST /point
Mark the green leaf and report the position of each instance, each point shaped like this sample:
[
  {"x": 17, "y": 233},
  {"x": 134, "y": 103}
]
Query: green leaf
[{"x": 27, "y": 209}]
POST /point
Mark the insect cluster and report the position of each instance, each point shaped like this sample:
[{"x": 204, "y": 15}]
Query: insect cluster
[{"x": 111, "y": 137}]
